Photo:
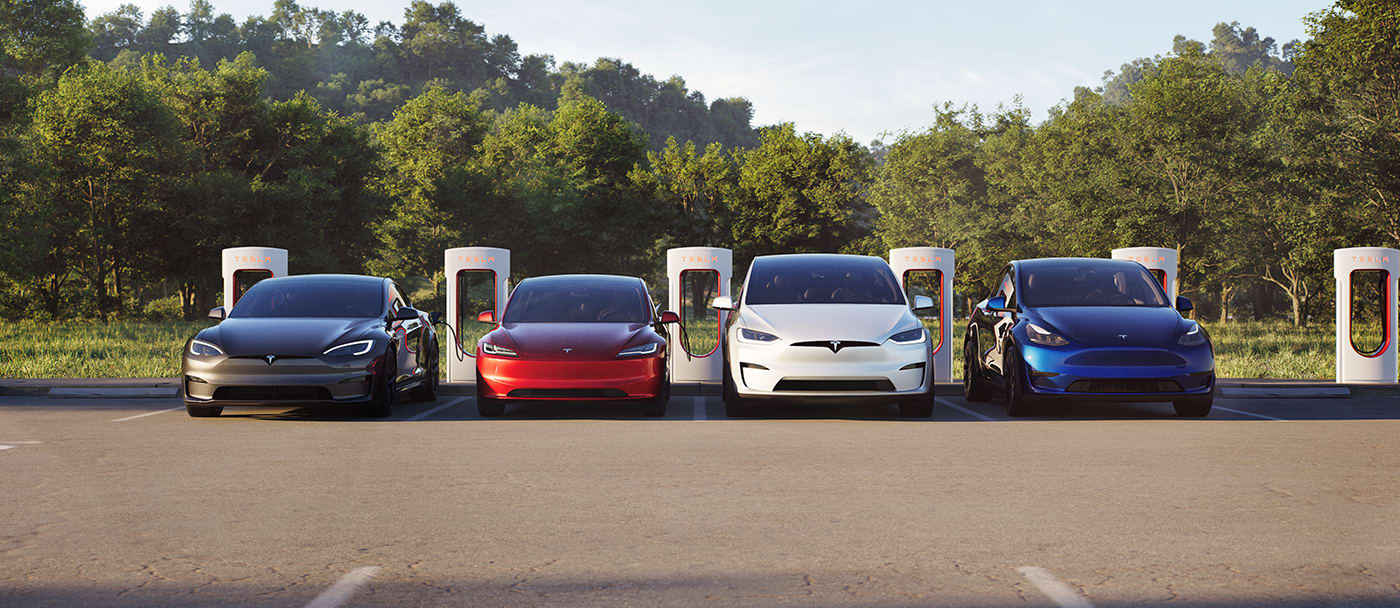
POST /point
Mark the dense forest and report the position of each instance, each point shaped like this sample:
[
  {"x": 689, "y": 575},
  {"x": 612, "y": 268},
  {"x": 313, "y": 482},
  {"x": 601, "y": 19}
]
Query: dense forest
[{"x": 133, "y": 147}]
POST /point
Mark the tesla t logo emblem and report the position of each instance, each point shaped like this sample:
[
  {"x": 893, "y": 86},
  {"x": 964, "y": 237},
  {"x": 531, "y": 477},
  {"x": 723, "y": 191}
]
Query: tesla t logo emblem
[
  {"x": 270, "y": 359},
  {"x": 1122, "y": 336},
  {"x": 568, "y": 350},
  {"x": 835, "y": 346}
]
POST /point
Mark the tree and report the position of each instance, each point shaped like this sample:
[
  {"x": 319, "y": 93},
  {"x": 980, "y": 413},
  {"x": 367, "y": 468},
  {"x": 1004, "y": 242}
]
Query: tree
[{"x": 41, "y": 36}]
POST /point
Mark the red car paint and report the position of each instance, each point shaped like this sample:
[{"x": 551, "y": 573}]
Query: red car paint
[{"x": 589, "y": 363}]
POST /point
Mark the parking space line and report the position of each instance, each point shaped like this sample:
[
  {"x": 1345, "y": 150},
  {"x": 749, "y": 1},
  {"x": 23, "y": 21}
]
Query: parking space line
[
  {"x": 964, "y": 410},
  {"x": 1244, "y": 413},
  {"x": 148, "y": 414},
  {"x": 700, "y": 407},
  {"x": 339, "y": 593},
  {"x": 437, "y": 409},
  {"x": 1062, "y": 594}
]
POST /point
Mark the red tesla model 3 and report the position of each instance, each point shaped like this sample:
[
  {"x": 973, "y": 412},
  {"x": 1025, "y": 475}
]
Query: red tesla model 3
[{"x": 575, "y": 337}]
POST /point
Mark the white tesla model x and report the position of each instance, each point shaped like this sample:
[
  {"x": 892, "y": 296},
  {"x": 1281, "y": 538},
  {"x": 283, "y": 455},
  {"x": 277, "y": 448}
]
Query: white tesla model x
[{"x": 825, "y": 326}]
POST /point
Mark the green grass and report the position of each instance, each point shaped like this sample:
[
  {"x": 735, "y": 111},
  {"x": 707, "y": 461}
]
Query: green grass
[{"x": 143, "y": 349}]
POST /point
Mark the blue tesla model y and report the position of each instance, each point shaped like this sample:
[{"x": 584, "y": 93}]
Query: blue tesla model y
[{"x": 1086, "y": 329}]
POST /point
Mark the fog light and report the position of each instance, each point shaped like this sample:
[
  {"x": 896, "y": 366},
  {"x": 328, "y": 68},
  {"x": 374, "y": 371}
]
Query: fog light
[
  {"x": 752, "y": 366},
  {"x": 195, "y": 379},
  {"x": 919, "y": 365}
]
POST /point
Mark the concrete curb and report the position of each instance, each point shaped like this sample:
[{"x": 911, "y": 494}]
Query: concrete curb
[{"x": 136, "y": 388}]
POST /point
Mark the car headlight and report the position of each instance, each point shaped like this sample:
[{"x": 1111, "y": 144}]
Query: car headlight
[
  {"x": 638, "y": 351},
  {"x": 204, "y": 349},
  {"x": 749, "y": 335},
  {"x": 913, "y": 336},
  {"x": 350, "y": 349},
  {"x": 499, "y": 351},
  {"x": 1193, "y": 336},
  {"x": 1044, "y": 337}
]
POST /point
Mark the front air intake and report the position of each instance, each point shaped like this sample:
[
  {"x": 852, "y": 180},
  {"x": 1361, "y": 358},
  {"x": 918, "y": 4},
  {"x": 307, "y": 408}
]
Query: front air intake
[
  {"x": 567, "y": 393},
  {"x": 872, "y": 385},
  {"x": 1122, "y": 386}
]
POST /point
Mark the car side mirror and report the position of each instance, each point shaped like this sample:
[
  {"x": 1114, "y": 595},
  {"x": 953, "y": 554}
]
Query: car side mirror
[
  {"x": 1184, "y": 305},
  {"x": 486, "y": 316},
  {"x": 669, "y": 317},
  {"x": 998, "y": 304},
  {"x": 722, "y": 303},
  {"x": 406, "y": 313},
  {"x": 217, "y": 312},
  {"x": 922, "y": 302},
  {"x": 435, "y": 317}
]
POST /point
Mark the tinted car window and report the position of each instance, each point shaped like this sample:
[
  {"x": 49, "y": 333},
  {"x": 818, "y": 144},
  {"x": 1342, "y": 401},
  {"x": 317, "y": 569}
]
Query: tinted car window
[
  {"x": 311, "y": 298},
  {"x": 1089, "y": 284},
  {"x": 578, "y": 301},
  {"x": 822, "y": 280}
]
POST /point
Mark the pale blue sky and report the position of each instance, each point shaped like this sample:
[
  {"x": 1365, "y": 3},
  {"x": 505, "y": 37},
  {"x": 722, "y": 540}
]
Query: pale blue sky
[{"x": 862, "y": 68}]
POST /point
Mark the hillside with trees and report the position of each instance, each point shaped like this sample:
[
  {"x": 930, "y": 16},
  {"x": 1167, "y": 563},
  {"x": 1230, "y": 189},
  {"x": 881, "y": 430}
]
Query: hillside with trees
[{"x": 133, "y": 147}]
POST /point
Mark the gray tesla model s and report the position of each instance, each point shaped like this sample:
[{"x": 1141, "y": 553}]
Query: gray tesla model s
[{"x": 340, "y": 339}]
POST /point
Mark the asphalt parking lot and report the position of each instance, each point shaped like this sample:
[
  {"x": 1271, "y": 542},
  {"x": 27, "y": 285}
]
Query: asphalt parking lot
[{"x": 1270, "y": 501}]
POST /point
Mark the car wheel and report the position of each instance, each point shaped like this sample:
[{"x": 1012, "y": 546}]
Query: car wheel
[
  {"x": 203, "y": 411},
  {"x": 918, "y": 407},
  {"x": 975, "y": 387},
  {"x": 1194, "y": 407},
  {"x": 382, "y": 406},
  {"x": 428, "y": 390},
  {"x": 734, "y": 405},
  {"x": 656, "y": 407},
  {"x": 488, "y": 407},
  {"x": 1017, "y": 401}
]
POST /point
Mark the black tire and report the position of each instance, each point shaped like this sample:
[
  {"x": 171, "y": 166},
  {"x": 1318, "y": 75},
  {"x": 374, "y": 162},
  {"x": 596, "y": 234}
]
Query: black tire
[
  {"x": 918, "y": 407},
  {"x": 203, "y": 411},
  {"x": 1194, "y": 407},
  {"x": 975, "y": 387},
  {"x": 428, "y": 389},
  {"x": 734, "y": 405},
  {"x": 1018, "y": 403},
  {"x": 382, "y": 405},
  {"x": 488, "y": 407},
  {"x": 656, "y": 407}
]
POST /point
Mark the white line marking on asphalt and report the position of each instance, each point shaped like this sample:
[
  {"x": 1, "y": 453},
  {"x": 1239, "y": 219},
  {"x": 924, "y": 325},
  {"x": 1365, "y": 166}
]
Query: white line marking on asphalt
[
  {"x": 436, "y": 409},
  {"x": 148, "y": 414},
  {"x": 1054, "y": 588},
  {"x": 6, "y": 447},
  {"x": 700, "y": 408},
  {"x": 963, "y": 409},
  {"x": 343, "y": 589},
  {"x": 1244, "y": 413},
  {"x": 22, "y": 442}
]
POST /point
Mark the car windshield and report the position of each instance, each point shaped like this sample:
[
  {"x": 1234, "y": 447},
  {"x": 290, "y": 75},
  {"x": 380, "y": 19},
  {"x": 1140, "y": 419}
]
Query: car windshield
[
  {"x": 822, "y": 280},
  {"x": 1091, "y": 284},
  {"x": 301, "y": 298},
  {"x": 578, "y": 301}
]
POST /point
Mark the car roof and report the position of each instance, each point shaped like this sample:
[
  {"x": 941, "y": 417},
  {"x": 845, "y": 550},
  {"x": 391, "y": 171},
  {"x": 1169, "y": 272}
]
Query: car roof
[
  {"x": 596, "y": 278},
  {"x": 342, "y": 278},
  {"x": 1055, "y": 262},
  {"x": 818, "y": 256}
]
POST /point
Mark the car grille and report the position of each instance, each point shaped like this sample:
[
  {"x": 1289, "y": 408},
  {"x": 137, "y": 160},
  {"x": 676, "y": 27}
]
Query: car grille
[
  {"x": 1126, "y": 357},
  {"x": 568, "y": 393},
  {"x": 272, "y": 393},
  {"x": 1115, "y": 385},
  {"x": 876, "y": 384}
]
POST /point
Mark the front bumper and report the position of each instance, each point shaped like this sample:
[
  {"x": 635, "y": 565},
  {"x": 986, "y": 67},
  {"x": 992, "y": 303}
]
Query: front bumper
[
  {"x": 226, "y": 380},
  {"x": 554, "y": 379},
  {"x": 783, "y": 371},
  {"x": 1118, "y": 373}
]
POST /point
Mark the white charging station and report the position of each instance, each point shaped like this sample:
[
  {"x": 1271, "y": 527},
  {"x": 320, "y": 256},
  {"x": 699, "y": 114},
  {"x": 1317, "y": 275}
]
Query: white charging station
[
  {"x": 929, "y": 271},
  {"x": 1366, "y": 284},
  {"x": 695, "y": 276},
  {"x": 1160, "y": 261},
  {"x": 477, "y": 281},
  {"x": 244, "y": 266}
]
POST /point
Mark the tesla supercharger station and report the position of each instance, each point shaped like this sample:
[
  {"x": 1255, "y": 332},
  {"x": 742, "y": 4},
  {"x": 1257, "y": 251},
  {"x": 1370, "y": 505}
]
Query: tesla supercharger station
[
  {"x": 244, "y": 266},
  {"x": 477, "y": 279},
  {"x": 695, "y": 276},
  {"x": 928, "y": 271},
  {"x": 1366, "y": 314},
  {"x": 1160, "y": 261}
]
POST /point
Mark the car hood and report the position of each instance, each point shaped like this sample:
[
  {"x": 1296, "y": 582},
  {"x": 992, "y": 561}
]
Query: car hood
[
  {"x": 807, "y": 322},
  {"x": 584, "y": 340},
  {"x": 308, "y": 337},
  {"x": 1103, "y": 325}
]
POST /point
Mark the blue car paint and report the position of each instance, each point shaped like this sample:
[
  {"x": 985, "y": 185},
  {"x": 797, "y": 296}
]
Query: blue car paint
[{"x": 1126, "y": 343}]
